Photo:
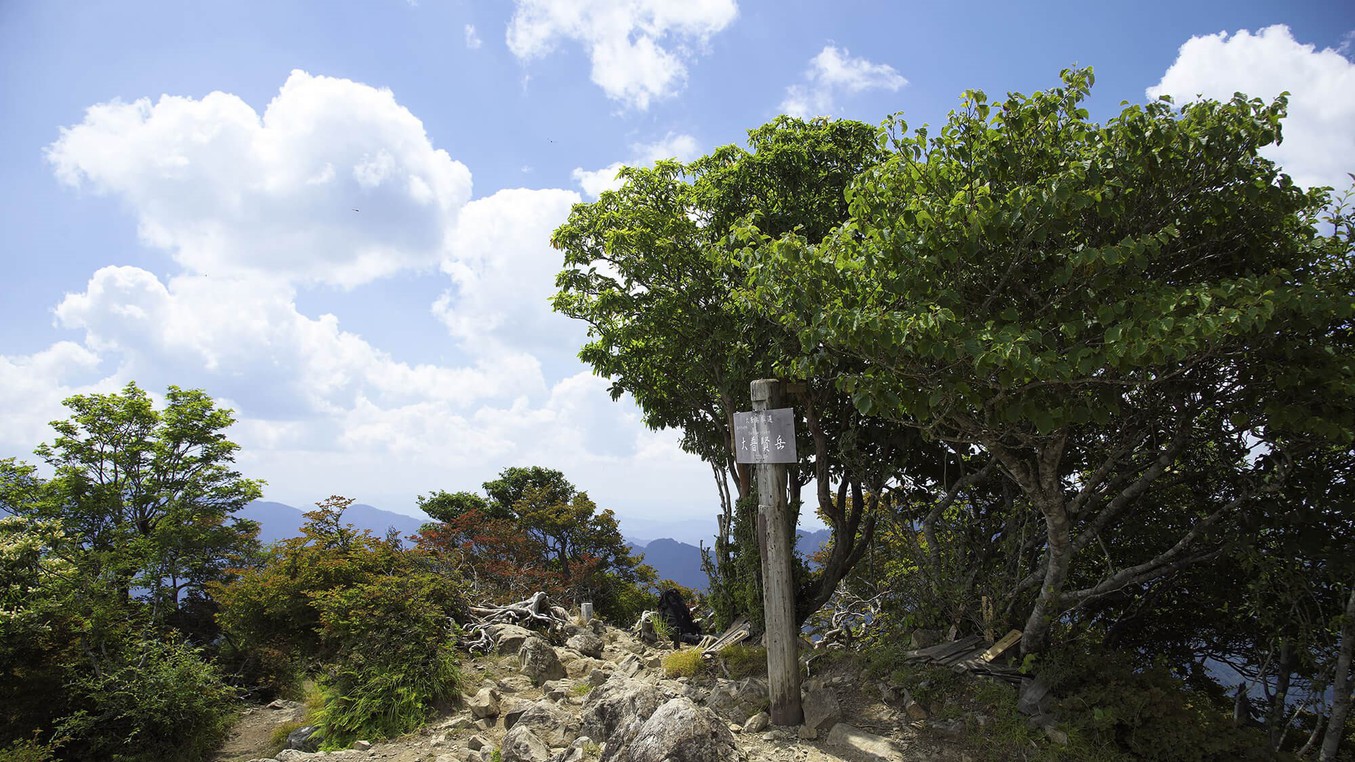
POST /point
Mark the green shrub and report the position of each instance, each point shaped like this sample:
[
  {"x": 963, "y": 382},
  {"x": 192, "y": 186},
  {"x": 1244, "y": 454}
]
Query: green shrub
[
  {"x": 742, "y": 660},
  {"x": 1114, "y": 701},
  {"x": 27, "y": 751},
  {"x": 684, "y": 663},
  {"x": 156, "y": 701},
  {"x": 396, "y": 657}
]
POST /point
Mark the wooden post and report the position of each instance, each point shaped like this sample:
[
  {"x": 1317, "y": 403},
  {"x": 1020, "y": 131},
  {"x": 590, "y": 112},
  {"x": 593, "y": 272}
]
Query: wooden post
[{"x": 778, "y": 589}]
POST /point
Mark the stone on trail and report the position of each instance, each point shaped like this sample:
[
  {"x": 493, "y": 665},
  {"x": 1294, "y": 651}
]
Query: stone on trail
[
  {"x": 523, "y": 745},
  {"x": 678, "y": 731},
  {"x": 586, "y": 643},
  {"x": 540, "y": 662},
  {"x": 484, "y": 704},
  {"x": 617, "y": 701},
  {"x": 821, "y": 709},
  {"x": 550, "y": 723},
  {"x": 863, "y": 744},
  {"x": 508, "y": 638}
]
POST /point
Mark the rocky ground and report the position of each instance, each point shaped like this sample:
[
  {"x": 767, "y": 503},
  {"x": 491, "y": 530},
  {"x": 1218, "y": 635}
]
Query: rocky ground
[{"x": 601, "y": 694}]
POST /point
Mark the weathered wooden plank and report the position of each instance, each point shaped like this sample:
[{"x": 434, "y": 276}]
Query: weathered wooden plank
[
  {"x": 1008, "y": 640},
  {"x": 946, "y": 650}
]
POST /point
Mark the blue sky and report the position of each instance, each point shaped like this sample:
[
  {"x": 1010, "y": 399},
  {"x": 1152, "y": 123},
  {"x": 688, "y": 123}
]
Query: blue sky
[{"x": 333, "y": 216}]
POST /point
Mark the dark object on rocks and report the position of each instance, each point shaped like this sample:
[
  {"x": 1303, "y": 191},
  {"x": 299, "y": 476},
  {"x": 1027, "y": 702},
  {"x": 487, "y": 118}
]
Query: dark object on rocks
[
  {"x": 679, "y": 618},
  {"x": 304, "y": 739}
]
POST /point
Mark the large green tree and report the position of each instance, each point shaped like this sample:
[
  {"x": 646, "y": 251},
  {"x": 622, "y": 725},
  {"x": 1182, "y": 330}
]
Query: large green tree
[
  {"x": 1090, "y": 305},
  {"x": 148, "y": 494},
  {"x": 106, "y": 564},
  {"x": 650, "y": 268}
]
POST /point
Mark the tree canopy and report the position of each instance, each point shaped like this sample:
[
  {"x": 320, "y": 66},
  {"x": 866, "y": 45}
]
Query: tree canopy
[
  {"x": 1088, "y": 305},
  {"x": 534, "y": 530},
  {"x": 651, "y": 268},
  {"x": 107, "y": 565}
]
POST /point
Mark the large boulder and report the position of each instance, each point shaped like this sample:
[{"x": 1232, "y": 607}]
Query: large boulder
[
  {"x": 522, "y": 745},
  {"x": 678, "y": 731},
  {"x": 586, "y": 643},
  {"x": 508, "y": 638},
  {"x": 549, "y": 722},
  {"x": 540, "y": 662},
  {"x": 617, "y": 701}
]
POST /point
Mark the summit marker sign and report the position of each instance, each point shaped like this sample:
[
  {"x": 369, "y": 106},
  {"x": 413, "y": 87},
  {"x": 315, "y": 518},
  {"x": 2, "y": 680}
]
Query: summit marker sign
[{"x": 765, "y": 436}]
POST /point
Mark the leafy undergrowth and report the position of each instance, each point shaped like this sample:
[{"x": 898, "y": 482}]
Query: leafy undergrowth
[
  {"x": 992, "y": 727},
  {"x": 1113, "y": 699},
  {"x": 1107, "y": 705},
  {"x": 733, "y": 662}
]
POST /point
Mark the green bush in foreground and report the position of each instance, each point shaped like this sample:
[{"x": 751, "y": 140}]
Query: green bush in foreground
[
  {"x": 157, "y": 701},
  {"x": 396, "y": 657}
]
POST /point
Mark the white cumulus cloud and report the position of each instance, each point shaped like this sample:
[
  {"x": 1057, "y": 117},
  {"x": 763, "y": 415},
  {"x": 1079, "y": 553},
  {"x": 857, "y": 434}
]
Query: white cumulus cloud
[
  {"x": 245, "y": 204},
  {"x": 503, "y": 273},
  {"x": 244, "y": 339},
  {"x": 672, "y": 146},
  {"x": 1319, "y": 140},
  {"x": 831, "y": 74},
  {"x": 638, "y": 48},
  {"x": 335, "y": 182}
]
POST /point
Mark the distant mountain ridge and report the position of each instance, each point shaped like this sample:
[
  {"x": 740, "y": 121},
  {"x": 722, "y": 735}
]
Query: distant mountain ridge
[
  {"x": 279, "y": 521},
  {"x": 672, "y": 559}
]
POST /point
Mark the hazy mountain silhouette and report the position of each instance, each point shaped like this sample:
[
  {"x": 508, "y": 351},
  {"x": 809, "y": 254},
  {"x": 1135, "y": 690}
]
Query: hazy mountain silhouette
[
  {"x": 672, "y": 559},
  {"x": 278, "y": 521}
]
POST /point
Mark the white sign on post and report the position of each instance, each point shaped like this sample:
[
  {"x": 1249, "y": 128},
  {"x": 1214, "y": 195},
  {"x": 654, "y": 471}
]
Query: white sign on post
[{"x": 765, "y": 436}]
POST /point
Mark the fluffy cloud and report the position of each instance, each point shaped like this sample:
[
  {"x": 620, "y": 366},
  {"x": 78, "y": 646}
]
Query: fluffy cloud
[
  {"x": 503, "y": 271},
  {"x": 473, "y": 40},
  {"x": 671, "y": 146},
  {"x": 1319, "y": 143},
  {"x": 33, "y": 386},
  {"x": 334, "y": 183},
  {"x": 832, "y": 73},
  {"x": 321, "y": 409},
  {"x": 244, "y": 339},
  {"x": 638, "y": 48}
]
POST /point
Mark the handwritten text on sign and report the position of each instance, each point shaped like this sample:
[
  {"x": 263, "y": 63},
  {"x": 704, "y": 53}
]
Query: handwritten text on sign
[{"x": 765, "y": 436}]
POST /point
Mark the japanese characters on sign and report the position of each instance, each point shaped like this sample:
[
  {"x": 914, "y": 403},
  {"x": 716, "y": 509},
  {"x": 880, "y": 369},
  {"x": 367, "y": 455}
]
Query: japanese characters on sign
[{"x": 765, "y": 436}]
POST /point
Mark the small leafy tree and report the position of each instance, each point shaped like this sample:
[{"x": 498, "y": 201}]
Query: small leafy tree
[
  {"x": 375, "y": 623},
  {"x": 536, "y": 531}
]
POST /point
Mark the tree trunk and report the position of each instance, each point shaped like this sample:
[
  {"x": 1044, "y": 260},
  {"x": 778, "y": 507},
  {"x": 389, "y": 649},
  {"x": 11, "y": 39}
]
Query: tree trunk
[
  {"x": 1341, "y": 687},
  {"x": 1041, "y": 482},
  {"x": 1275, "y": 714},
  {"x": 1058, "y": 554}
]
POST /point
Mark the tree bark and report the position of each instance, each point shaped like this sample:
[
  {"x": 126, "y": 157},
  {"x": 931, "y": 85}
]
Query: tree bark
[{"x": 1341, "y": 687}]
